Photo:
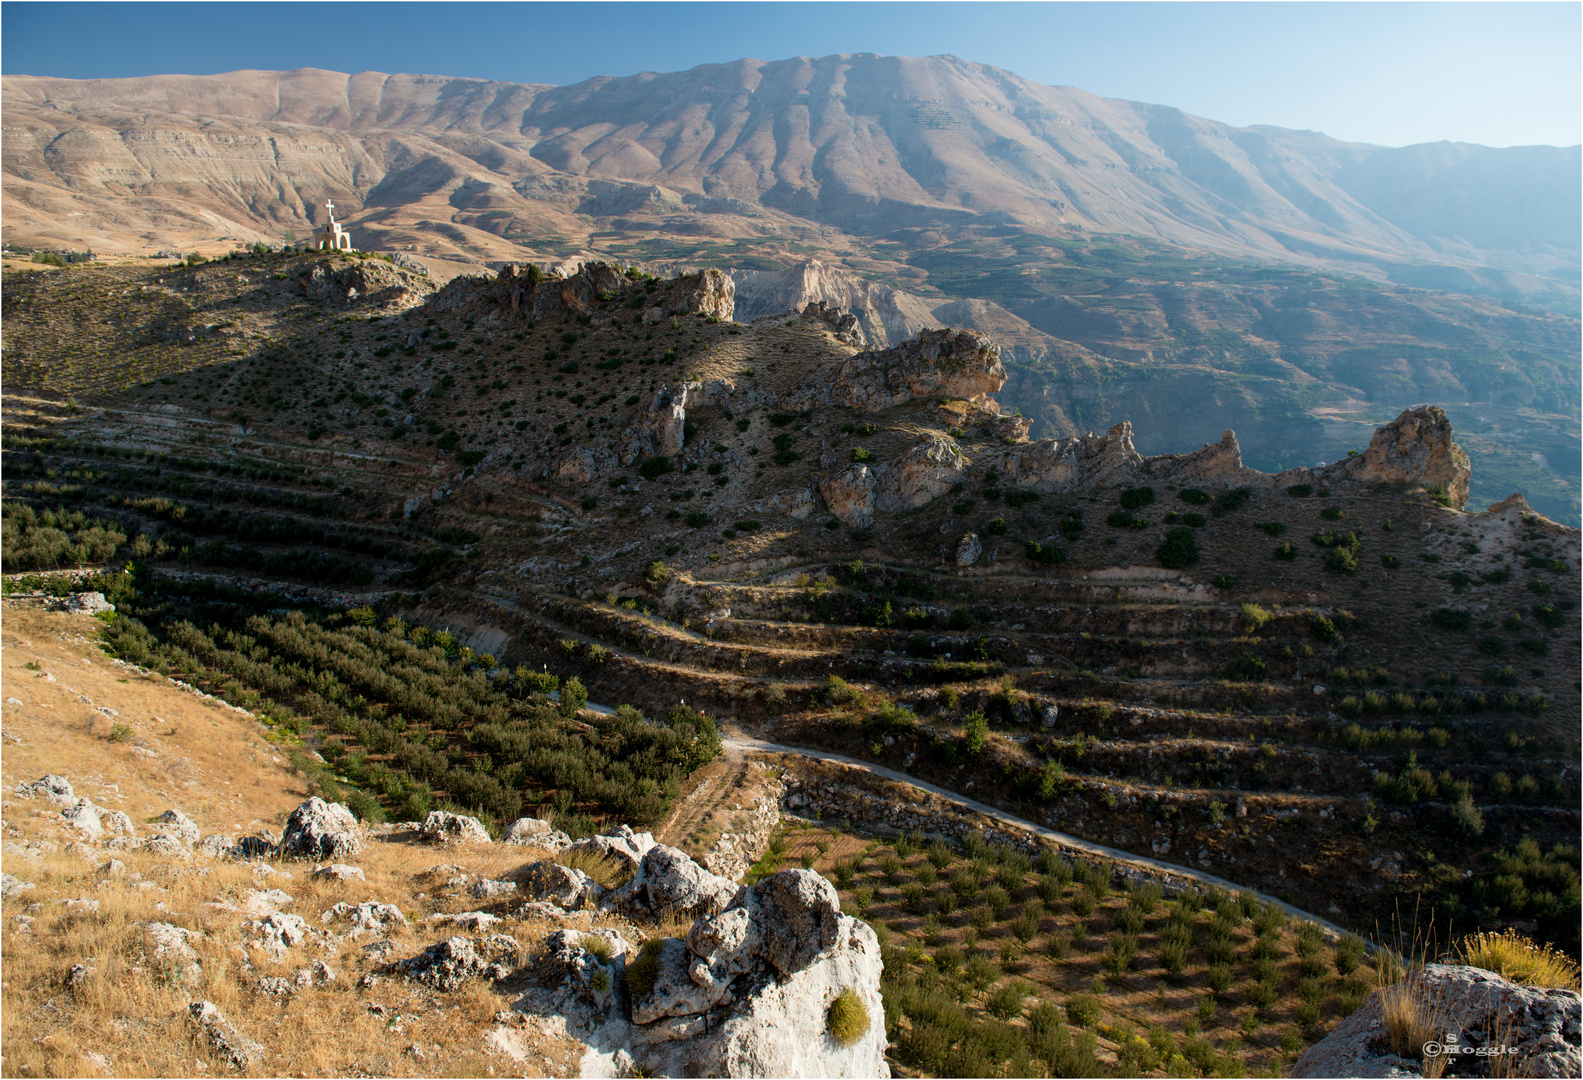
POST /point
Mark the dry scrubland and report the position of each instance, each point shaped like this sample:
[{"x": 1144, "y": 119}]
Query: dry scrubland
[
  {"x": 225, "y": 771},
  {"x": 1352, "y": 696}
]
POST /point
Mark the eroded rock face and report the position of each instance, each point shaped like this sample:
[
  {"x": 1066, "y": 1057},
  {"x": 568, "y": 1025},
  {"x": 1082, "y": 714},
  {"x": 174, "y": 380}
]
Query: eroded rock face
[
  {"x": 1082, "y": 461},
  {"x": 850, "y": 495},
  {"x": 766, "y": 970},
  {"x": 591, "y": 287},
  {"x": 1415, "y": 448},
  {"x": 1545, "y": 1027},
  {"x": 321, "y": 830},
  {"x": 920, "y": 475},
  {"x": 957, "y": 363}
]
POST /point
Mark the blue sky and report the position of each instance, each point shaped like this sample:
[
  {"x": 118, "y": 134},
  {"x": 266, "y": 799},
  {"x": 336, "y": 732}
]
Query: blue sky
[{"x": 1501, "y": 74}]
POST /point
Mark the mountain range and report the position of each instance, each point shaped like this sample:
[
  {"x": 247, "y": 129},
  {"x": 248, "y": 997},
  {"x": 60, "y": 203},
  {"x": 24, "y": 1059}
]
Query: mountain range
[{"x": 1136, "y": 261}]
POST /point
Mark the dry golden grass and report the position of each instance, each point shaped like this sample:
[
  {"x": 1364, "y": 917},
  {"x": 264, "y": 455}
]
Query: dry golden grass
[
  {"x": 1516, "y": 957},
  {"x": 131, "y": 1008},
  {"x": 1411, "y": 1016}
]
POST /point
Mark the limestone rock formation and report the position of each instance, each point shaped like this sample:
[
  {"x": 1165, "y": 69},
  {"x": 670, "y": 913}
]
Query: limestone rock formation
[
  {"x": 447, "y": 964},
  {"x": 1477, "y": 1005},
  {"x": 363, "y": 282},
  {"x": 1415, "y": 448},
  {"x": 321, "y": 830},
  {"x": 843, "y": 324},
  {"x": 668, "y": 884},
  {"x": 444, "y": 827},
  {"x": 1079, "y": 462},
  {"x": 590, "y": 288},
  {"x": 766, "y": 969},
  {"x": 957, "y": 363},
  {"x": 175, "y": 823},
  {"x": 920, "y": 475},
  {"x": 566, "y": 888},
  {"x": 850, "y": 495},
  {"x": 57, "y": 789},
  {"x": 968, "y": 549},
  {"x": 223, "y": 1037},
  {"x": 619, "y": 843}
]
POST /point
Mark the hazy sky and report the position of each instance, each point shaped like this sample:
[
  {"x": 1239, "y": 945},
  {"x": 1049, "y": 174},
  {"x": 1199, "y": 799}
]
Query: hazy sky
[{"x": 1501, "y": 74}]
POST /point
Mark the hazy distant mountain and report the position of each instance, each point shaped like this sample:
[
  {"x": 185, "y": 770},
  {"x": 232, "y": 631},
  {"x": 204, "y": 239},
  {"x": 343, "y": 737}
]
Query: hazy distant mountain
[{"x": 866, "y": 144}]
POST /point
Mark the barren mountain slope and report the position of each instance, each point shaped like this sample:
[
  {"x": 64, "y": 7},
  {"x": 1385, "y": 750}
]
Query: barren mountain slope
[{"x": 866, "y": 143}]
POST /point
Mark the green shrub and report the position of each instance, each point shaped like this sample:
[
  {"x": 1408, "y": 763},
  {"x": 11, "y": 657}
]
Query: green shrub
[
  {"x": 1179, "y": 551},
  {"x": 697, "y": 519},
  {"x": 1193, "y": 496},
  {"x": 1300, "y": 491},
  {"x": 1082, "y": 1010},
  {"x": 1007, "y": 1001},
  {"x": 1223, "y": 581},
  {"x": 847, "y": 1019},
  {"x": 1322, "y": 628},
  {"x": 996, "y": 527},
  {"x": 1451, "y": 619},
  {"x": 1044, "y": 555},
  {"x": 1273, "y": 528},
  {"x": 1134, "y": 498},
  {"x": 1286, "y": 552}
]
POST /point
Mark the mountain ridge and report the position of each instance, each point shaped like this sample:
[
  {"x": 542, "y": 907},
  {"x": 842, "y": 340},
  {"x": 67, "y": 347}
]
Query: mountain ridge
[{"x": 867, "y": 142}]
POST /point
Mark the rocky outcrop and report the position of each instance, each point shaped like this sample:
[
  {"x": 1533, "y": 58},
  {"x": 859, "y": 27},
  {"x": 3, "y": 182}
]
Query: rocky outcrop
[
  {"x": 1482, "y": 1011},
  {"x": 581, "y": 466},
  {"x": 363, "y": 282},
  {"x": 1083, "y": 461},
  {"x": 842, "y": 324},
  {"x": 880, "y": 314},
  {"x": 849, "y": 495},
  {"x": 920, "y": 475},
  {"x": 320, "y": 830},
  {"x": 567, "y": 888},
  {"x": 222, "y": 1036},
  {"x": 57, "y": 789},
  {"x": 765, "y": 970},
  {"x": 84, "y": 603},
  {"x": 592, "y": 288},
  {"x": 447, "y": 964},
  {"x": 969, "y": 549},
  {"x": 175, "y": 824},
  {"x": 956, "y": 363},
  {"x": 1415, "y": 448},
  {"x": 668, "y": 884},
  {"x": 444, "y": 827},
  {"x": 619, "y": 843}
]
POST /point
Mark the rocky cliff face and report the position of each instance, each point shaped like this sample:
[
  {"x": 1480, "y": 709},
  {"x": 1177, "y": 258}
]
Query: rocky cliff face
[
  {"x": 957, "y": 363},
  {"x": 752, "y": 988},
  {"x": 595, "y": 288},
  {"x": 1415, "y": 448}
]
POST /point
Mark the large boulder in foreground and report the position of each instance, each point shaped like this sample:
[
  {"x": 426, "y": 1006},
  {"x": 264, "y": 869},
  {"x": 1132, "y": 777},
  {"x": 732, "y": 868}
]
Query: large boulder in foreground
[
  {"x": 322, "y": 831},
  {"x": 765, "y": 972},
  {"x": 1481, "y": 1010},
  {"x": 1415, "y": 448}
]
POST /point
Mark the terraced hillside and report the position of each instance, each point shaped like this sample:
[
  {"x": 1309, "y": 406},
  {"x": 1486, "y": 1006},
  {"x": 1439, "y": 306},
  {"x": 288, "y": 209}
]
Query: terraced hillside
[{"x": 1334, "y": 685}]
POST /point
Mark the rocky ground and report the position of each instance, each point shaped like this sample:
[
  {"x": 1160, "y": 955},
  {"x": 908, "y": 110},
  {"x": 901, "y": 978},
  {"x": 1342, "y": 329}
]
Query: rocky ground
[{"x": 229, "y": 936}]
